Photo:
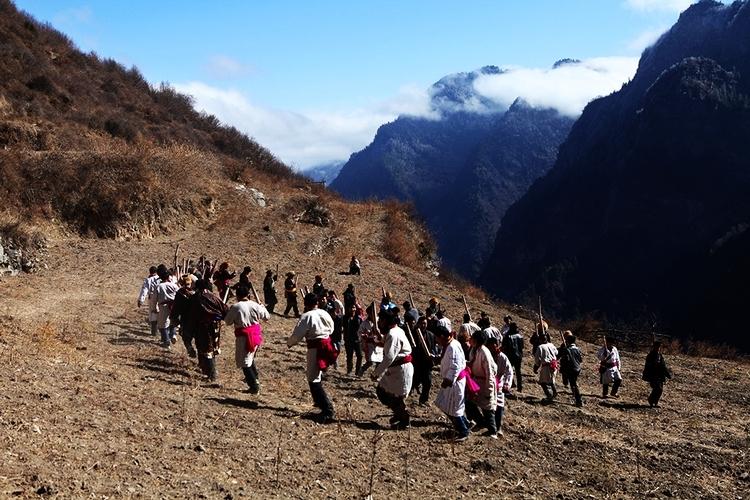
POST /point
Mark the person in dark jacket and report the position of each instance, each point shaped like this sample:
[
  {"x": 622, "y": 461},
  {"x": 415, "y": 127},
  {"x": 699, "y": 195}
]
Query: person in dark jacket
[
  {"x": 207, "y": 310},
  {"x": 513, "y": 348},
  {"x": 269, "y": 290},
  {"x": 571, "y": 358},
  {"x": 290, "y": 292},
  {"x": 182, "y": 313},
  {"x": 350, "y": 297},
  {"x": 656, "y": 373},
  {"x": 352, "y": 320},
  {"x": 423, "y": 361}
]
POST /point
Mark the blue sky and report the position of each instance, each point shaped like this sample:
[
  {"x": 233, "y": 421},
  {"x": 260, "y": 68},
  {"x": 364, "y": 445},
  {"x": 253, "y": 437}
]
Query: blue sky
[{"x": 312, "y": 80}]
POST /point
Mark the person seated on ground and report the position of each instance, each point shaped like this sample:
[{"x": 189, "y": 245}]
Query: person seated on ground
[
  {"x": 354, "y": 267},
  {"x": 656, "y": 373}
]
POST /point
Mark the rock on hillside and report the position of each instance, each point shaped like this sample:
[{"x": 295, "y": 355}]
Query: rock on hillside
[{"x": 645, "y": 214}]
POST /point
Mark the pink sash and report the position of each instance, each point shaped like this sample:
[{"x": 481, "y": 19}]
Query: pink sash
[
  {"x": 471, "y": 385},
  {"x": 253, "y": 334}
]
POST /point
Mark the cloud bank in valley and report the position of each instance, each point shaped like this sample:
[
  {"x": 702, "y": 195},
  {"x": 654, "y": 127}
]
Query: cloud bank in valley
[
  {"x": 566, "y": 88},
  {"x": 304, "y": 139}
]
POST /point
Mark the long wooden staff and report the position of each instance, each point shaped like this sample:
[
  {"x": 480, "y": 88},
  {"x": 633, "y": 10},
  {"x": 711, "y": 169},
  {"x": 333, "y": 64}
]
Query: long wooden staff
[
  {"x": 421, "y": 340},
  {"x": 176, "y": 251},
  {"x": 382, "y": 289},
  {"x": 257, "y": 299},
  {"x": 411, "y": 300},
  {"x": 409, "y": 335},
  {"x": 466, "y": 307}
]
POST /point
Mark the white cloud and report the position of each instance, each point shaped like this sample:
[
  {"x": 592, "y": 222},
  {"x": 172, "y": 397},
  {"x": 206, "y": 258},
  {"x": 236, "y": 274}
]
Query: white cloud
[
  {"x": 221, "y": 66},
  {"x": 663, "y": 5},
  {"x": 304, "y": 139},
  {"x": 567, "y": 88},
  {"x": 646, "y": 39}
]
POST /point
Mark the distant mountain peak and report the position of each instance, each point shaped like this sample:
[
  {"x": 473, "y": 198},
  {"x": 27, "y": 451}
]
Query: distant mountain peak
[
  {"x": 565, "y": 62},
  {"x": 456, "y": 92}
]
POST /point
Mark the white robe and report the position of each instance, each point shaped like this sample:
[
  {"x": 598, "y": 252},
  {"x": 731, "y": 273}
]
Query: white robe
[
  {"x": 373, "y": 353},
  {"x": 395, "y": 380},
  {"x": 610, "y": 373},
  {"x": 315, "y": 324},
  {"x": 241, "y": 315},
  {"x": 466, "y": 330},
  {"x": 493, "y": 333},
  {"x": 484, "y": 372},
  {"x": 153, "y": 308},
  {"x": 543, "y": 356},
  {"x": 504, "y": 376},
  {"x": 165, "y": 294},
  {"x": 445, "y": 322},
  {"x": 451, "y": 399}
]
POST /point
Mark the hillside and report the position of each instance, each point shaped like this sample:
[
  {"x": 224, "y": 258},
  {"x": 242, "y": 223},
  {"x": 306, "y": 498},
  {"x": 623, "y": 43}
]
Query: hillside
[
  {"x": 461, "y": 168},
  {"x": 643, "y": 218}
]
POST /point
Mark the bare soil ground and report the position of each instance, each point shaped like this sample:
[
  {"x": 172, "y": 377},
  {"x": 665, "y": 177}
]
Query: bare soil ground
[{"x": 91, "y": 407}]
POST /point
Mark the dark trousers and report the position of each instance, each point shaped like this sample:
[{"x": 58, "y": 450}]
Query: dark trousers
[
  {"x": 423, "y": 380},
  {"x": 251, "y": 377},
  {"x": 550, "y": 391},
  {"x": 321, "y": 399},
  {"x": 517, "y": 374},
  {"x": 499, "y": 414},
  {"x": 485, "y": 418},
  {"x": 270, "y": 306},
  {"x": 291, "y": 303},
  {"x": 154, "y": 330},
  {"x": 461, "y": 425},
  {"x": 187, "y": 338},
  {"x": 396, "y": 404},
  {"x": 573, "y": 381},
  {"x": 352, "y": 349},
  {"x": 208, "y": 366},
  {"x": 657, "y": 388},
  {"x": 615, "y": 388}
]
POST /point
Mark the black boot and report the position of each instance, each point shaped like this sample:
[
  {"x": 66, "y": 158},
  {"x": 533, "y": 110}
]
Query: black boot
[
  {"x": 213, "y": 372},
  {"x": 321, "y": 400},
  {"x": 251, "y": 377}
]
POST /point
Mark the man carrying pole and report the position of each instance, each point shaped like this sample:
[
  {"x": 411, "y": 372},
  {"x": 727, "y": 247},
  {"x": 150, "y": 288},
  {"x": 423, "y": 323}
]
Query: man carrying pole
[
  {"x": 290, "y": 293},
  {"x": 395, "y": 373}
]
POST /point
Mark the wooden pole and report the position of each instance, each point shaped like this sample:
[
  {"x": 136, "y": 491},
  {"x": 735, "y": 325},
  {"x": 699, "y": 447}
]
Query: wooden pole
[
  {"x": 421, "y": 340},
  {"x": 176, "y": 251},
  {"x": 411, "y": 300},
  {"x": 409, "y": 335},
  {"x": 257, "y": 299},
  {"x": 466, "y": 306}
]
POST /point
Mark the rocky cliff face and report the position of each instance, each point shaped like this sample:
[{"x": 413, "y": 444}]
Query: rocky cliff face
[
  {"x": 460, "y": 168},
  {"x": 645, "y": 213}
]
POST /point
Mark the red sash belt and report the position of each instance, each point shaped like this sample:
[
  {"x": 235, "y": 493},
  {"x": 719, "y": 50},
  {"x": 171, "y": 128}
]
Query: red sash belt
[
  {"x": 253, "y": 334},
  {"x": 402, "y": 361},
  {"x": 326, "y": 353}
]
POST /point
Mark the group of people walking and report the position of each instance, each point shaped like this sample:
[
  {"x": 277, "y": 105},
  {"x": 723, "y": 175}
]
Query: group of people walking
[{"x": 479, "y": 365}]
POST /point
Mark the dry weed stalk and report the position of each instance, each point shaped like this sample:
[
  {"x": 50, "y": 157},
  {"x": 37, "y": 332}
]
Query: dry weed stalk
[
  {"x": 277, "y": 465},
  {"x": 374, "y": 443}
]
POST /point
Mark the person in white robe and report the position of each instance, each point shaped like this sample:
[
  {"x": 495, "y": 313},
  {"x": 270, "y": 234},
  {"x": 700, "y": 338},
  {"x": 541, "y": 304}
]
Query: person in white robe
[
  {"x": 165, "y": 295},
  {"x": 149, "y": 286},
  {"x": 395, "y": 373},
  {"x": 467, "y": 329},
  {"x": 315, "y": 327},
  {"x": 450, "y": 398},
  {"x": 504, "y": 380},
  {"x": 546, "y": 365},
  {"x": 609, "y": 368},
  {"x": 244, "y": 315},
  {"x": 481, "y": 406}
]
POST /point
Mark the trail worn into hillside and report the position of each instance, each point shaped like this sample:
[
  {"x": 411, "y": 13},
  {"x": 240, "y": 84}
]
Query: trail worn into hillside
[{"x": 90, "y": 406}]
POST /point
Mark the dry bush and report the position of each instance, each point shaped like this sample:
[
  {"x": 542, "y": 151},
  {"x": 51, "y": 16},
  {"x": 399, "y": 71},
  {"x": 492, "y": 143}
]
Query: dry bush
[
  {"x": 702, "y": 349},
  {"x": 406, "y": 242},
  {"x": 121, "y": 191}
]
